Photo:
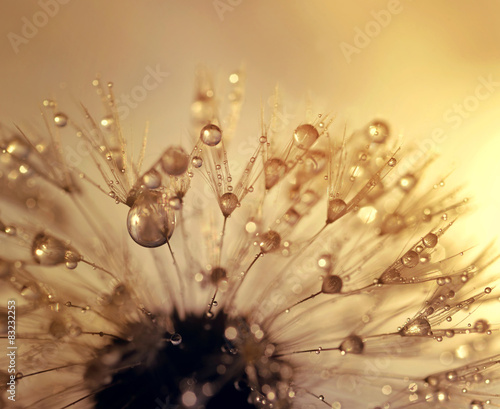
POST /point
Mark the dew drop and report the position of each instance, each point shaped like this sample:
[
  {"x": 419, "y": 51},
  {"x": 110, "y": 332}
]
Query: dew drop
[
  {"x": 377, "y": 131},
  {"x": 487, "y": 290},
  {"x": 176, "y": 339},
  {"x": 218, "y": 274},
  {"x": 410, "y": 259},
  {"x": 419, "y": 327},
  {"x": 335, "y": 210},
  {"x": 152, "y": 179},
  {"x": 175, "y": 161},
  {"x": 481, "y": 326},
  {"x": 476, "y": 404},
  {"x": 332, "y": 284},
  {"x": 228, "y": 202},
  {"x": 263, "y": 139},
  {"x": 430, "y": 240},
  {"x": 274, "y": 170},
  {"x": 18, "y": 148},
  {"x": 392, "y": 162},
  {"x": 175, "y": 203},
  {"x": 407, "y": 182},
  {"x": 150, "y": 221},
  {"x": 211, "y": 135},
  {"x": 291, "y": 216},
  {"x": 325, "y": 262},
  {"x": 49, "y": 251},
  {"x": 60, "y": 119},
  {"x": 107, "y": 122},
  {"x": 269, "y": 241},
  {"x": 305, "y": 135},
  {"x": 352, "y": 345},
  {"x": 197, "y": 162}
]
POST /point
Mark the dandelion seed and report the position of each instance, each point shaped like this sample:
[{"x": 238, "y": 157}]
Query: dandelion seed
[{"x": 241, "y": 295}]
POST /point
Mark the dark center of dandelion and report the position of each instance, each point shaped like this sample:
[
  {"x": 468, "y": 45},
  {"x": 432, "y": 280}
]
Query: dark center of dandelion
[{"x": 195, "y": 368}]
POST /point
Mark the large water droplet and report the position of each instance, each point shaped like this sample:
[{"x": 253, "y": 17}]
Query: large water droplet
[
  {"x": 49, "y": 251},
  {"x": 410, "y": 259},
  {"x": 269, "y": 241},
  {"x": 335, "y": 210},
  {"x": 430, "y": 240},
  {"x": 305, "y": 135},
  {"x": 419, "y": 327},
  {"x": 377, "y": 131},
  {"x": 274, "y": 171},
  {"x": 175, "y": 161},
  {"x": 228, "y": 202},
  {"x": 211, "y": 135},
  {"x": 332, "y": 284},
  {"x": 352, "y": 345},
  {"x": 152, "y": 179},
  {"x": 150, "y": 220}
]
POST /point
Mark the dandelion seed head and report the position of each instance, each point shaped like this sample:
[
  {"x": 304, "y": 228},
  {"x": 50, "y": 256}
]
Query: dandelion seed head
[{"x": 307, "y": 274}]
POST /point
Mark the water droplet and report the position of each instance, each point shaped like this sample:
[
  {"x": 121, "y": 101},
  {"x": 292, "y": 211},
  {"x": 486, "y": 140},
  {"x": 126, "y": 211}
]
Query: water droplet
[
  {"x": 418, "y": 327},
  {"x": 305, "y": 135},
  {"x": 410, "y": 259},
  {"x": 263, "y": 139},
  {"x": 451, "y": 376},
  {"x": 476, "y": 404},
  {"x": 274, "y": 170},
  {"x": 60, "y": 119},
  {"x": 228, "y": 202},
  {"x": 392, "y": 224},
  {"x": 487, "y": 290},
  {"x": 332, "y": 284},
  {"x": 49, "y": 251},
  {"x": 481, "y": 326},
  {"x": 107, "y": 122},
  {"x": 176, "y": 339},
  {"x": 150, "y": 221},
  {"x": 325, "y": 262},
  {"x": 269, "y": 241},
  {"x": 352, "y": 345},
  {"x": 152, "y": 179},
  {"x": 197, "y": 162},
  {"x": 430, "y": 240},
  {"x": 175, "y": 161},
  {"x": 407, "y": 182},
  {"x": 291, "y": 216},
  {"x": 211, "y": 135},
  {"x": 321, "y": 397},
  {"x": 175, "y": 202},
  {"x": 336, "y": 208},
  {"x": 18, "y": 147},
  {"x": 71, "y": 265},
  {"x": 392, "y": 162},
  {"x": 218, "y": 274},
  {"x": 377, "y": 131}
]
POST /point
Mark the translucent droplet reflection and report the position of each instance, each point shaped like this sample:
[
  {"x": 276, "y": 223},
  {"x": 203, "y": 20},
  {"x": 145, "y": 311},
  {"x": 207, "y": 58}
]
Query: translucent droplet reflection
[
  {"x": 211, "y": 135},
  {"x": 150, "y": 221},
  {"x": 175, "y": 161}
]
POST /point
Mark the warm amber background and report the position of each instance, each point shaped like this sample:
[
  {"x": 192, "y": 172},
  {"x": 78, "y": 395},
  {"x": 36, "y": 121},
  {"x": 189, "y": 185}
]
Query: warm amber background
[{"x": 428, "y": 58}]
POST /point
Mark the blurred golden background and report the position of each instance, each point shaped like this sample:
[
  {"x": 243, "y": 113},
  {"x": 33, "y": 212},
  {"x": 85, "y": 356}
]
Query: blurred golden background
[{"x": 432, "y": 69}]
